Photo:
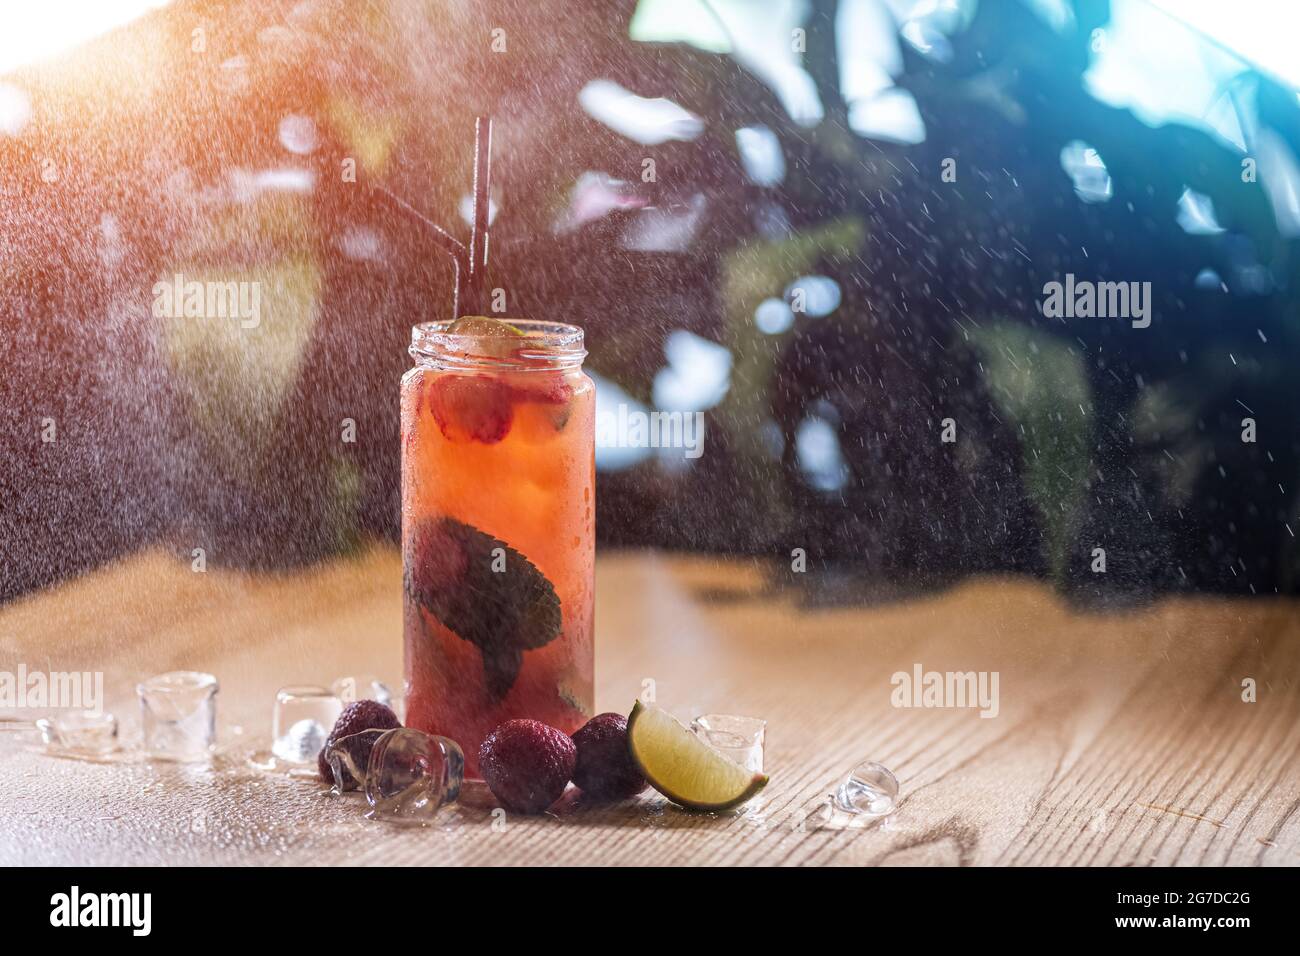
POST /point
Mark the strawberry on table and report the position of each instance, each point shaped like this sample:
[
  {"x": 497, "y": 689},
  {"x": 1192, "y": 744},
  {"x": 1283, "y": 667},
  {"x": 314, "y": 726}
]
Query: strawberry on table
[
  {"x": 356, "y": 718},
  {"x": 605, "y": 768},
  {"x": 527, "y": 764}
]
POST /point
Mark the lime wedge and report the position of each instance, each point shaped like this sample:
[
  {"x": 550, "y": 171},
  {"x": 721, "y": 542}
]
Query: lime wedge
[
  {"x": 683, "y": 767},
  {"x": 484, "y": 326}
]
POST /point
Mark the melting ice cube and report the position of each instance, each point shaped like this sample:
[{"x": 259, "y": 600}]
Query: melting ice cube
[
  {"x": 411, "y": 775},
  {"x": 408, "y": 775},
  {"x": 179, "y": 714},
  {"x": 740, "y": 738},
  {"x": 301, "y": 721},
  {"x": 870, "y": 789},
  {"x": 80, "y": 733}
]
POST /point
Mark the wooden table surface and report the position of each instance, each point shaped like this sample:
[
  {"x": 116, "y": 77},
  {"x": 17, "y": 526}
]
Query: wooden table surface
[{"x": 1121, "y": 739}]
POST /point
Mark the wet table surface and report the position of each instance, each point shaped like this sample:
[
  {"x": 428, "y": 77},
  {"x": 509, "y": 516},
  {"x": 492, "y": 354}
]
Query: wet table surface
[{"x": 1120, "y": 738}]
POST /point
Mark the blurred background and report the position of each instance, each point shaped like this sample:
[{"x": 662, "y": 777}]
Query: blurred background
[{"x": 824, "y": 224}]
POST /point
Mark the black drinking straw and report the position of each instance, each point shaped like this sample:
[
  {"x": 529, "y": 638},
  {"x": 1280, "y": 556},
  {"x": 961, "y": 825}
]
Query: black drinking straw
[
  {"x": 478, "y": 242},
  {"x": 469, "y": 266}
]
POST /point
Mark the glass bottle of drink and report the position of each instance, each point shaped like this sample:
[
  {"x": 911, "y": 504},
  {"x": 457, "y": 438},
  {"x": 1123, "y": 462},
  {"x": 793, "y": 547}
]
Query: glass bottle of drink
[{"x": 498, "y": 522}]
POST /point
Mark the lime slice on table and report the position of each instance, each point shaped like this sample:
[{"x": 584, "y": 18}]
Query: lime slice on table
[{"x": 683, "y": 767}]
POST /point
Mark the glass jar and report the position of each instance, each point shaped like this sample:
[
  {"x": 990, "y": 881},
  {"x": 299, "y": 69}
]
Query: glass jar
[{"x": 498, "y": 528}]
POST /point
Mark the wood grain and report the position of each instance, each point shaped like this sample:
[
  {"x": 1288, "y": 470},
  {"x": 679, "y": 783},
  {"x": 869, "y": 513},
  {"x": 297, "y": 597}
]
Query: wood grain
[{"x": 1122, "y": 739}]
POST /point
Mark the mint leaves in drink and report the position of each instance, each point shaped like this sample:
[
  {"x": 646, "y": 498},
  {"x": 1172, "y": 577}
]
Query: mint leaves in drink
[{"x": 485, "y": 592}]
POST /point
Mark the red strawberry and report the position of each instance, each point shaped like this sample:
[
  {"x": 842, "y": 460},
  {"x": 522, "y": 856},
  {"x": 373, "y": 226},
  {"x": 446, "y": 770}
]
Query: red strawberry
[
  {"x": 527, "y": 764},
  {"x": 551, "y": 396},
  {"x": 604, "y": 767},
  {"x": 356, "y": 718},
  {"x": 471, "y": 407},
  {"x": 554, "y": 391}
]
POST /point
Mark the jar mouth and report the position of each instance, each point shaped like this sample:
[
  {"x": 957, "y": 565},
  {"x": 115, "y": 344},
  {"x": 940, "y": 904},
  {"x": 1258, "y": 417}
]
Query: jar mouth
[{"x": 538, "y": 345}]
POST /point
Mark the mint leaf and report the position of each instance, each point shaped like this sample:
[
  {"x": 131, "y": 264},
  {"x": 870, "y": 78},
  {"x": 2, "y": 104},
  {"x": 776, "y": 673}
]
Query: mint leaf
[{"x": 503, "y": 613}]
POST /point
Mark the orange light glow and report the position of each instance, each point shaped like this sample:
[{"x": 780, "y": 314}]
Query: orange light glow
[{"x": 33, "y": 32}]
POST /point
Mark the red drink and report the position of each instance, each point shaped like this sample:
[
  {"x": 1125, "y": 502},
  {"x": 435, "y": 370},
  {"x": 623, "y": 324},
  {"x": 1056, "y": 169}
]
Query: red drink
[{"x": 498, "y": 489}]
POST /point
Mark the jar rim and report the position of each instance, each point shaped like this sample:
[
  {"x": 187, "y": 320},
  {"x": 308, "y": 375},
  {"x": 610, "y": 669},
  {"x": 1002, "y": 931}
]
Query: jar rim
[{"x": 540, "y": 345}]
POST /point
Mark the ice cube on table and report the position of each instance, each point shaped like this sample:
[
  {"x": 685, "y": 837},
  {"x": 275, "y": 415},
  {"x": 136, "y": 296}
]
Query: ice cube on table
[
  {"x": 407, "y": 776},
  {"x": 362, "y": 687},
  {"x": 740, "y": 738},
  {"x": 79, "y": 733},
  {"x": 301, "y": 722},
  {"x": 412, "y": 775},
  {"x": 178, "y": 711},
  {"x": 348, "y": 759},
  {"x": 870, "y": 789}
]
